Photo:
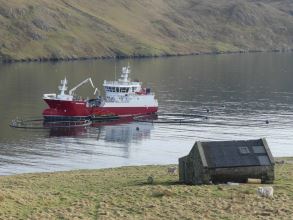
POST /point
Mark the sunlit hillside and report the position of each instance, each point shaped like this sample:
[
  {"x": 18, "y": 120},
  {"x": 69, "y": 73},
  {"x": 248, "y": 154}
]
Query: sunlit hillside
[{"x": 36, "y": 29}]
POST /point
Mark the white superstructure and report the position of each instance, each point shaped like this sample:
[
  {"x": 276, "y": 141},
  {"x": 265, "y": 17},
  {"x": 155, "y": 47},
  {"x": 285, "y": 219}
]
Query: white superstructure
[{"x": 126, "y": 93}]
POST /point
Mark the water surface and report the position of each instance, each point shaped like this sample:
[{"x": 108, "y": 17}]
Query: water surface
[{"x": 240, "y": 91}]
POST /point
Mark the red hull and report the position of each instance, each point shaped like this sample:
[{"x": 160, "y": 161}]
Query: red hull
[
  {"x": 60, "y": 108},
  {"x": 123, "y": 111},
  {"x": 66, "y": 108}
]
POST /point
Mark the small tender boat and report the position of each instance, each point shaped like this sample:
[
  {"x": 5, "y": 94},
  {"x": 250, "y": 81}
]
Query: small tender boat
[{"x": 123, "y": 98}]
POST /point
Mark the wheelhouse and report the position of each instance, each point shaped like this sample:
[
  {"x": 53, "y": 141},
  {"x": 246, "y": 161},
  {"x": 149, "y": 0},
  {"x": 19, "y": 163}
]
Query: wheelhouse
[{"x": 121, "y": 89}]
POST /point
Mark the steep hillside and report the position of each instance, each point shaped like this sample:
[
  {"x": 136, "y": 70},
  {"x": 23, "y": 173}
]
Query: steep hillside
[{"x": 68, "y": 29}]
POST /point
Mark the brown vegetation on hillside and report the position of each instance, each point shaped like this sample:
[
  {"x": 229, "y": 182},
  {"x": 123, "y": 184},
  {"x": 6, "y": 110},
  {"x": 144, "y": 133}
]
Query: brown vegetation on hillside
[{"x": 68, "y": 29}]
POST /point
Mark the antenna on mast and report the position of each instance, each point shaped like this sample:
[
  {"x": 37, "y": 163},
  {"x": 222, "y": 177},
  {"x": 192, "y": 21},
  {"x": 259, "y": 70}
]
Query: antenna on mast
[
  {"x": 129, "y": 57},
  {"x": 128, "y": 64},
  {"x": 115, "y": 67}
]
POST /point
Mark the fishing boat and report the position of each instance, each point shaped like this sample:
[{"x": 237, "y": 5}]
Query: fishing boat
[{"x": 123, "y": 98}]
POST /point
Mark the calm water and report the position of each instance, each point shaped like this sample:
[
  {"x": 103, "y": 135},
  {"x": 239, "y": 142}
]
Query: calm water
[{"x": 241, "y": 91}]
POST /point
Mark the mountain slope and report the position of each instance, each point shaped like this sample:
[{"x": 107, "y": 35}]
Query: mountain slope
[{"x": 38, "y": 29}]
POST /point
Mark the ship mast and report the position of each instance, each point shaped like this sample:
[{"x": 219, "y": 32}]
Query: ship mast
[
  {"x": 124, "y": 74},
  {"x": 63, "y": 86}
]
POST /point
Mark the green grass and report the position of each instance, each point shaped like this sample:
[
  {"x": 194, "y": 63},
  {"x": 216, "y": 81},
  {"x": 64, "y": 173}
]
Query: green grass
[
  {"x": 123, "y": 193},
  {"x": 33, "y": 29}
]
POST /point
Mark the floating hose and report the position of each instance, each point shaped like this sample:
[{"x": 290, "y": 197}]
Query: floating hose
[
  {"x": 166, "y": 118},
  {"x": 41, "y": 124}
]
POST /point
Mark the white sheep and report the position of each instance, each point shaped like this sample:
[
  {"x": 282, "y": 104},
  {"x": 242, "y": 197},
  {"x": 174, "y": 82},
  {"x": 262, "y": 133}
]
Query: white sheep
[{"x": 267, "y": 191}]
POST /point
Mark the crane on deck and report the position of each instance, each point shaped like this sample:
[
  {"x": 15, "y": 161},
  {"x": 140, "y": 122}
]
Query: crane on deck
[{"x": 71, "y": 91}]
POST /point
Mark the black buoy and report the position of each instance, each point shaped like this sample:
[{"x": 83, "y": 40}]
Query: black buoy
[
  {"x": 137, "y": 128},
  {"x": 267, "y": 122},
  {"x": 207, "y": 110}
]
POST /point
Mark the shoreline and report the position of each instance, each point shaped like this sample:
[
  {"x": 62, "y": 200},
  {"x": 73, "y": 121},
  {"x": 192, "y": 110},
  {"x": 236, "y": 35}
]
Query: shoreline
[
  {"x": 140, "y": 56},
  {"x": 277, "y": 160},
  {"x": 88, "y": 194}
]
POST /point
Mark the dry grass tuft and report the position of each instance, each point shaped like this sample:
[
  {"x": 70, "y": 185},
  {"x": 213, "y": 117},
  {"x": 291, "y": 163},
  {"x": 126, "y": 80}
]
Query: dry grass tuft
[{"x": 160, "y": 192}]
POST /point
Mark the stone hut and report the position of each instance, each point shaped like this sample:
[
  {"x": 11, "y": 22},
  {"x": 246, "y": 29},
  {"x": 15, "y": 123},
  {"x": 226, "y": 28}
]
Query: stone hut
[{"x": 227, "y": 161}]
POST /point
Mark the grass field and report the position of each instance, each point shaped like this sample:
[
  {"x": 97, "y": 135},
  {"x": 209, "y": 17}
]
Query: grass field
[
  {"x": 59, "y": 29},
  {"x": 123, "y": 193}
]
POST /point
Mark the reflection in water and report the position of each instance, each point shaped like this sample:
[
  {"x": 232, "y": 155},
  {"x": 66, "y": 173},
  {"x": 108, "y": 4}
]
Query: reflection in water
[
  {"x": 122, "y": 133},
  {"x": 122, "y": 136},
  {"x": 124, "y": 130},
  {"x": 67, "y": 132},
  {"x": 73, "y": 148},
  {"x": 128, "y": 133}
]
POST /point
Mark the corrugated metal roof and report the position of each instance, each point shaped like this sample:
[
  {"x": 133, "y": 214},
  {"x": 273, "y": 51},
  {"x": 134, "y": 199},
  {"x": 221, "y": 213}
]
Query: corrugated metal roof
[{"x": 235, "y": 153}]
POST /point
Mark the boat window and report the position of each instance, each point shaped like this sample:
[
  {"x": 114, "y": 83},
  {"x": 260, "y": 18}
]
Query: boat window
[{"x": 119, "y": 89}]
